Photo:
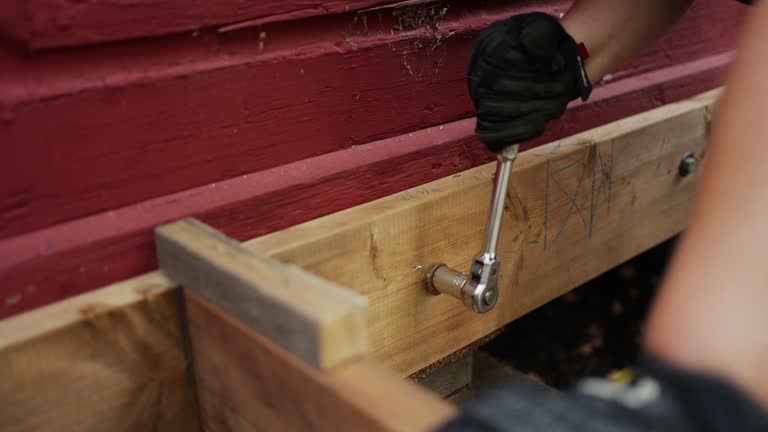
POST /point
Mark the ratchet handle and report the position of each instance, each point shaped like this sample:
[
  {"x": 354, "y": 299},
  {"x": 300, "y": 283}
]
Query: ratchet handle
[{"x": 498, "y": 198}]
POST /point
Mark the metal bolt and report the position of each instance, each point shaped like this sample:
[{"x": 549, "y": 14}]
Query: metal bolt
[
  {"x": 687, "y": 165},
  {"x": 489, "y": 297}
]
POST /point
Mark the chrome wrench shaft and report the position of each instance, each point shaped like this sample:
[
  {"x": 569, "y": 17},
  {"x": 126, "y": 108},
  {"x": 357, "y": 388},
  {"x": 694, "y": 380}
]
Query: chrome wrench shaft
[
  {"x": 496, "y": 212},
  {"x": 479, "y": 290}
]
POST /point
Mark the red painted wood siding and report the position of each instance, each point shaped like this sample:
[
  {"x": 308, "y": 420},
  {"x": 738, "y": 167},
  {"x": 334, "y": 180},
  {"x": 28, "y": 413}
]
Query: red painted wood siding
[
  {"x": 137, "y": 121},
  {"x": 55, "y": 23},
  {"x": 258, "y": 129}
]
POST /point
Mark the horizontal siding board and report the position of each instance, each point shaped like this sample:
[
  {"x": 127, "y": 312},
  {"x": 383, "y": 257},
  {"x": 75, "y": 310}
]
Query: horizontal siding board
[{"x": 55, "y": 23}]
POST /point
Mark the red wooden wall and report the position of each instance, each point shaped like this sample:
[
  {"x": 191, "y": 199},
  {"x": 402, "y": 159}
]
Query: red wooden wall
[{"x": 253, "y": 116}]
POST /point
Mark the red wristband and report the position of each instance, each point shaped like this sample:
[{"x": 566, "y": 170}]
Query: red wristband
[
  {"x": 584, "y": 86},
  {"x": 583, "y": 51}
]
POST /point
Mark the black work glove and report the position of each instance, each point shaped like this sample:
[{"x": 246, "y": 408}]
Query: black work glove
[
  {"x": 659, "y": 398},
  {"x": 523, "y": 72}
]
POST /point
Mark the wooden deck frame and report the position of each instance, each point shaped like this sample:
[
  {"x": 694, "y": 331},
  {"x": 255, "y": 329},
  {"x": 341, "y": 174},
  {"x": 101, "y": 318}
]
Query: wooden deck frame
[
  {"x": 128, "y": 334},
  {"x": 258, "y": 328}
]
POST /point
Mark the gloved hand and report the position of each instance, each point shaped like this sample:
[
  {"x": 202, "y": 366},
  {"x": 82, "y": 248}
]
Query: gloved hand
[
  {"x": 523, "y": 72},
  {"x": 660, "y": 397}
]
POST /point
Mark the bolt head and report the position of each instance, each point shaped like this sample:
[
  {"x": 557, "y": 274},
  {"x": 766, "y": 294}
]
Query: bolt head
[
  {"x": 687, "y": 165},
  {"x": 489, "y": 298}
]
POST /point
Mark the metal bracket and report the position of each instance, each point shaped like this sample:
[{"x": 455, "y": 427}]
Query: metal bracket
[{"x": 479, "y": 289}]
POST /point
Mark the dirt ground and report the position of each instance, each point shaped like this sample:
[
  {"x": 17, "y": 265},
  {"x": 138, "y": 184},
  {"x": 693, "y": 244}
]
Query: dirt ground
[{"x": 593, "y": 330}]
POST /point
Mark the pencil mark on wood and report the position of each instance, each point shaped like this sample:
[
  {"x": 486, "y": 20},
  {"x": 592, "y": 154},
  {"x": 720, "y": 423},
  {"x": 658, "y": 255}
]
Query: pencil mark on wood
[
  {"x": 547, "y": 154},
  {"x": 573, "y": 203},
  {"x": 585, "y": 184}
]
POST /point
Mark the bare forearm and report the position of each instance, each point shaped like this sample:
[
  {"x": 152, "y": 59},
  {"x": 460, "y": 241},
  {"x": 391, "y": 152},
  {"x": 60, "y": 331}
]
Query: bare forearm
[
  {"x": 712, "y": 313},
  {"x": 615, "y": 31}
]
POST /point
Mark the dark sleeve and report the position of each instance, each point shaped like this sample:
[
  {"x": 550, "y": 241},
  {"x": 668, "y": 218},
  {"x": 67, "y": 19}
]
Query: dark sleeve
[
  {"x": 659, "y": 398},
  {"x": 747, "y": 2}
]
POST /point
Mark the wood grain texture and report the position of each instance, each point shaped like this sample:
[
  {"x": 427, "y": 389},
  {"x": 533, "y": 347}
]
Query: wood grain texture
[
  {"x": 576, "y": 208},
  {"x": 320, "y": 323},
  {"x": 67, "y": 259},
  {"x": 246, "y": 382},
  {"x": 183, "y": 112},
  {"x": 108, "y": 361}
]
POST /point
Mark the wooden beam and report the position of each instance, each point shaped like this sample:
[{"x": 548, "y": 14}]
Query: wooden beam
[
  {"x": 576, "y": 208},
  {"x": 311, "y": 318},
  {"x": 246, "y": 382},
  {"x": 258, "y": 330},
  {"x": 110, "y": 360}
]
